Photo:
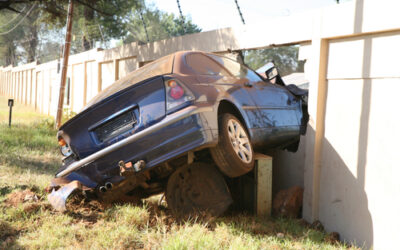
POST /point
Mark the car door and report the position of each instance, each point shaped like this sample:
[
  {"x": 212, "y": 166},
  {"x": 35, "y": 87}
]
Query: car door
[
  {"x": 222, "y": 85},
  {"x": 277, "y": 106}
]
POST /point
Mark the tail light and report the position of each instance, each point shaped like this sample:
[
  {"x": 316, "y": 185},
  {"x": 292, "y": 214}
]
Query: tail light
[
  {"x": 177, "y": 94},
  {"x": 64, "y": 147}
]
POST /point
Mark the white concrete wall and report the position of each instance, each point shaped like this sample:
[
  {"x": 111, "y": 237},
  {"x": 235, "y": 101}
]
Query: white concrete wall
[{"x": 359, "y": 168}]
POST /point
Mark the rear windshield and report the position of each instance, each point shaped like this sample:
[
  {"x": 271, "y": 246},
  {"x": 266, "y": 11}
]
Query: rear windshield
[
  {"x": 236, "y": 69},
  {"x": 204, "y": 65},
  {"x": 160, "y": 66}
]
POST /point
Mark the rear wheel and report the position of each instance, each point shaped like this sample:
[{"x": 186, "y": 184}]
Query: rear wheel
[
  {"x": 234, "y": 154},
  {"x": 196, "y": 190}
]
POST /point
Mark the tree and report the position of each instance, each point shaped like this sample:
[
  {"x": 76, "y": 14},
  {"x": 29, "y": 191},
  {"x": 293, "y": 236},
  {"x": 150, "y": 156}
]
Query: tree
[
  {"x": 103, "y": 23},
  {"x": 9, "y": 55},
  {"x": 285, "y": 58},
  {"x": 41, "y": 34},
  {"x": 160, "y": 25},
  {"x": 51, "y": 41},
  {"x": 95, "y": 20},
  {"x": 89, "y": 16},
  {"x": 30, "y": 28}
]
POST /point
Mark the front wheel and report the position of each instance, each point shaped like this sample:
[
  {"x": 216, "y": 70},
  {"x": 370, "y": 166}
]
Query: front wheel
[{"x": 234, "y": 154}]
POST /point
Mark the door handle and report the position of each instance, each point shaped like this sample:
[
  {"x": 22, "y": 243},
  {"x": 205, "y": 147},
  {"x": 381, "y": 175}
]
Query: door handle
[{"x": 248, "y": 84}]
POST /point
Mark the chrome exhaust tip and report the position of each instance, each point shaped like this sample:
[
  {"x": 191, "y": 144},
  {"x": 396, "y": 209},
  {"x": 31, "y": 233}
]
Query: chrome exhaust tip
[
  {"x": 103, "y": 189},
  {"x": 108, "y": 185}
]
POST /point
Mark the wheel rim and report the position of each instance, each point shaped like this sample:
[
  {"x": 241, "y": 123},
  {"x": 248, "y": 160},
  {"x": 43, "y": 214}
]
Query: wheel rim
[{"x": 239, "y": 140}]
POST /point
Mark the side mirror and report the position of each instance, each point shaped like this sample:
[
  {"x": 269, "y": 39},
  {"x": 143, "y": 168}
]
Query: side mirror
[{"x": 272, "y": 72}]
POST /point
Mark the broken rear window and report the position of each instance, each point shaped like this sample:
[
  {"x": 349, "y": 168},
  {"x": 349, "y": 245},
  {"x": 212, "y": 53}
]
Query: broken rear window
[
  {"x": 161, "y": 66},
  {"x": 204, "y": 65}
]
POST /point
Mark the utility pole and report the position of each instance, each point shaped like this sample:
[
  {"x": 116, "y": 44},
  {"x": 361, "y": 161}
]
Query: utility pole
[{"x": 67, "y": 47}]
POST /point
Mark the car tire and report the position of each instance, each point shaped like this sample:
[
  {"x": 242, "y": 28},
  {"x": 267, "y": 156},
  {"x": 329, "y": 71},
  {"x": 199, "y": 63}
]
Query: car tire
[
  {"x": 234, "y": 153},
  {"x": 197, "y": 190}
]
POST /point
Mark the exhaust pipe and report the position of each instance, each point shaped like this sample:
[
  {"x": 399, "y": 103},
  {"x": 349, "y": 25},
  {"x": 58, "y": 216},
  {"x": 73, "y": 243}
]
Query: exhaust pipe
[
  {"x": 108, "y": 185},
  {"x": 103, "y": 189}
]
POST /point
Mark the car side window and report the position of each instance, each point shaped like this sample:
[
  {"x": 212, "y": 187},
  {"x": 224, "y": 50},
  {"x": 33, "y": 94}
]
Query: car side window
[
  {"x": 236, "y": 68},
  {"x": 204, "y": 65}
]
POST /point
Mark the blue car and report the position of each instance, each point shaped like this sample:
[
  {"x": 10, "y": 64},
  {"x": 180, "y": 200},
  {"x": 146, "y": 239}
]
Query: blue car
[{"x": 156, "y": 130}]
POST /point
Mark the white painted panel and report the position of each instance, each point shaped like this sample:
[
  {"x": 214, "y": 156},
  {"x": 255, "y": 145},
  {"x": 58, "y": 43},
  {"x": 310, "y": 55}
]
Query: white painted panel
[
  {"x": 46, "y": 92},
  {"x": 21, "y": 86},
  {"x": 382, "y": 159},
  {"x": 92, "y": 83},
  {"x": 15, "y": 83},
  {"x": 126, "y": 66},
  {"x": 39, "y": 93},
  {"x": 29, "y": 87},
  {"x": 380, "y": 15},
  {"x": 343, "y": 200},
  {"x": 107, "y": 74},
  {"x": 343, "y": 109},
  {"x": 345, "y": 59},
  {"x": 371, "y": 56},
  {"x": 55, "y": 91},
  {"x": 34, "y": 89},
  {"x": 385, "y": 55},
  {"x": 78, "y": 87},
  {"x": 23, "y": 81}
]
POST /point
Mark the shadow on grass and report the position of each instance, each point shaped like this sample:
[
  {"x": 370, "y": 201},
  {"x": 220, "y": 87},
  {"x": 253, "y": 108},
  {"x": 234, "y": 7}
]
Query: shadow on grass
[
  {"x": 36, "y": 165},
  {"x": 242, "y": 223},
  {"x": 33, "y": 137},
  {"x": 8, "y": 189},
  {"x": 282, "y": 228},
  {"x": 8, "y": 236},
  {"x": 29, "y": 147}
]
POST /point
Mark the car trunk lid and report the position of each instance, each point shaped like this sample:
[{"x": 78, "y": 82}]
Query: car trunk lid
[{"x": 116, "y": 117}]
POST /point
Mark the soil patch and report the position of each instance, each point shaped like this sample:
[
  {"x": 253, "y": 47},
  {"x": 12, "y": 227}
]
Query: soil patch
[
  {"x": 84, "y": 209},
  {"x": 25, "y": 196}
]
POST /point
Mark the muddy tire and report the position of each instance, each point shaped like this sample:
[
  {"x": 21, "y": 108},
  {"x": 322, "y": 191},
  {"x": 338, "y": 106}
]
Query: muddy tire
[
  {"x": 234, "y": 153},
  {"x": 196, "y": 190}
]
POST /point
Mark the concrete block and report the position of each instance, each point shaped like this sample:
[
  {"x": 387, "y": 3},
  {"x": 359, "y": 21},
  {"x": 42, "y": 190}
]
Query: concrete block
[{"x": 263, "y": 185}]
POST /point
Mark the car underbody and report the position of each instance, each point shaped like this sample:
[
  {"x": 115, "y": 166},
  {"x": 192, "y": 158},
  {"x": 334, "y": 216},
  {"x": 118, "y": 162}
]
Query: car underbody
[{"x": 132, "y": 187}]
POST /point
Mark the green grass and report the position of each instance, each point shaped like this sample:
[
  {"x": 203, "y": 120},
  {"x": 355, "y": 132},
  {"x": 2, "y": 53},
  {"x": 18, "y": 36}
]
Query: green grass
[{"x": 29, "y": 158}]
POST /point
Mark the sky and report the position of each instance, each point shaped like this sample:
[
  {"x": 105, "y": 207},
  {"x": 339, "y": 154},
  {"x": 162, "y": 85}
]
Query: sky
[{"x": 215, "y": 14}]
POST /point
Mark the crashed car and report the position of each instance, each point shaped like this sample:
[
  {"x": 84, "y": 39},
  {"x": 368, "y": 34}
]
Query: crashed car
[{"x": 148, "y": 132}]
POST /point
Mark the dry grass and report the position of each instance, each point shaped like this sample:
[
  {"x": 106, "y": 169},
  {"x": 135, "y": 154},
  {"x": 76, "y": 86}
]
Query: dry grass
[{"x": 28, "y": 159}]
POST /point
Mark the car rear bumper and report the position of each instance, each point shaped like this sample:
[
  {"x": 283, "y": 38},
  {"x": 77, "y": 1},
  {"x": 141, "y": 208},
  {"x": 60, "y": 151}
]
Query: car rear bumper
[{"x": 177, "y": 133}]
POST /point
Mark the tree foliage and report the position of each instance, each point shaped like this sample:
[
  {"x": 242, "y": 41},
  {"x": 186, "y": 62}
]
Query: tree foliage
[
  {"x": 8, "y": 42},
  {"x": 105, "y": 22},
  {"x": 160, "y": 25},
  {"x": 285, "y": 58},
  {"x": 41, "y": 35}
]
